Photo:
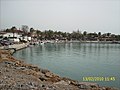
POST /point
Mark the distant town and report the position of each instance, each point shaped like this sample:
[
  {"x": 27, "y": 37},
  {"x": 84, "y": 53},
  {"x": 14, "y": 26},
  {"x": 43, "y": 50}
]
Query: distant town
[{"x": 26, "y": 34}]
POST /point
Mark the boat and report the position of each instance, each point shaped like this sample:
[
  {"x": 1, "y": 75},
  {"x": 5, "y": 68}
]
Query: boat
[{"x": 41, "y": 43}]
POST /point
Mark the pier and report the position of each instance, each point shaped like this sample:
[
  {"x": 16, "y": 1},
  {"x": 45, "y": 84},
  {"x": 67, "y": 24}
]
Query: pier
[{"x": 15, "y": 47}]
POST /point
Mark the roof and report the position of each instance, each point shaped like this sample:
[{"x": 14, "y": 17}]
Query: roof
[{"x": 2, "y": 32}]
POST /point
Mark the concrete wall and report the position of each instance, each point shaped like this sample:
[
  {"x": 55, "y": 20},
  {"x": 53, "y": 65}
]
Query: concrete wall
[{"x": 18, "y": 46}]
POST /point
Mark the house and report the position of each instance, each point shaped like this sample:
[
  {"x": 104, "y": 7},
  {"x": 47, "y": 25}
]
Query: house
[
  {"x": 11, "y": 36},
  {"x": 26, "y": 38}
]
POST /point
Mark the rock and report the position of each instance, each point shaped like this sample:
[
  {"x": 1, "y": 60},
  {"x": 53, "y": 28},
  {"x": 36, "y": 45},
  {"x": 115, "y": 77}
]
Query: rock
[
  {"x": 88, "y": 85},
  {"x": 62, "y": 82},
  {"x": 44, "y": 71},
  {"x": 6, "y": 62},
  {"x": 1, "y": 81},
  {"x": 74, "y": 83},
  {"x": 32, "y": 85},
  {"x": 48, "y": 74},
  {"x": 21, "y": 68},
  {"x": 43, "y": 78},
  {"x": 43, "y": 85}
]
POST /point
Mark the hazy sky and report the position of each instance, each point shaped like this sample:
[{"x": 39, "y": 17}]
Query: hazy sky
[{"x": 62, "y": 15}]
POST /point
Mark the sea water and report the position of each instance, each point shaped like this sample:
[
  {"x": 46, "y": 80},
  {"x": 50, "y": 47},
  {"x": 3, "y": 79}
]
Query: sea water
[{"x": 91, "y": 62}]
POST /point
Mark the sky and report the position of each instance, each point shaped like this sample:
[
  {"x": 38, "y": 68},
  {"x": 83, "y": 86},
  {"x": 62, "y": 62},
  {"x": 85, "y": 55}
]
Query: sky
[{"x": 62, "y": 15}]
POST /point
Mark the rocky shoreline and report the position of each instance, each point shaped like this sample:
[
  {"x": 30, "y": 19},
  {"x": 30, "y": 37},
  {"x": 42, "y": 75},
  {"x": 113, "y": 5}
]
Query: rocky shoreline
[{"x": 17, "y": 75}]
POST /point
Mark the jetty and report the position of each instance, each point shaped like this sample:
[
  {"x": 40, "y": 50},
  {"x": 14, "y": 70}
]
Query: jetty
[{"x": 15, "y": 47}]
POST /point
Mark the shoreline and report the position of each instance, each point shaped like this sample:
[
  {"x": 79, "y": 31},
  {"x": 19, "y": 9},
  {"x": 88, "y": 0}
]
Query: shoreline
[
  {"x": 76, "y": 41},
  {"x": 42, "y": 78}
]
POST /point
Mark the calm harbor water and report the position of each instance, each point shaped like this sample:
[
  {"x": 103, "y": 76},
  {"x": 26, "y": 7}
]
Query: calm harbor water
[{"x": 77, "y": 60}]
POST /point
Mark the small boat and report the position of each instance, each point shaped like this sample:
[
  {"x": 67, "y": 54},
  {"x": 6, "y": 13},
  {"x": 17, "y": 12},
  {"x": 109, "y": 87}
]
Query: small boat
[{"x": 41, "y": 43}]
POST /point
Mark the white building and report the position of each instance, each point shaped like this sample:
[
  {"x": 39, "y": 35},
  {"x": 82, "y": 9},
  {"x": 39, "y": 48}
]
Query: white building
[
  {"x": 25, "y": 38},
  {"x": 12, "y": 36}
]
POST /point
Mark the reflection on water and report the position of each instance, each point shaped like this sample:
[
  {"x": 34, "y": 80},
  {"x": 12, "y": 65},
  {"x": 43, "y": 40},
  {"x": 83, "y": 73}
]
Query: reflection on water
[{"x": 76, "y": 60}]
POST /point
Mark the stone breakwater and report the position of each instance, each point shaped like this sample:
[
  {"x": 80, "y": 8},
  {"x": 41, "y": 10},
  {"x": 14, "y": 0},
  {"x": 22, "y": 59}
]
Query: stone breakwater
[{"x": 17, "y": 75}]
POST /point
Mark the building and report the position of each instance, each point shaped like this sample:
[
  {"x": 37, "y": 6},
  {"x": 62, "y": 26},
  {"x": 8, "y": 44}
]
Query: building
[{"x": 11, "y": 36}]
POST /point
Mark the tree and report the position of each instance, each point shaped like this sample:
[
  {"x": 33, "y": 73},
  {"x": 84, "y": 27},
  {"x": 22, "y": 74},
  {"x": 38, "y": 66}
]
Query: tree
[
  {"x": 108, "y": 34},
  {"x": 25, "y": 28},
  {"x": 7, "y": 30},
  {"x": 84, "y": 33},
  {"x": 31, "y": 29},
  {"x": 76, "y": 35},
  {"x": 99, "y": 33},
  {"x": 13, "y": 29}
]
